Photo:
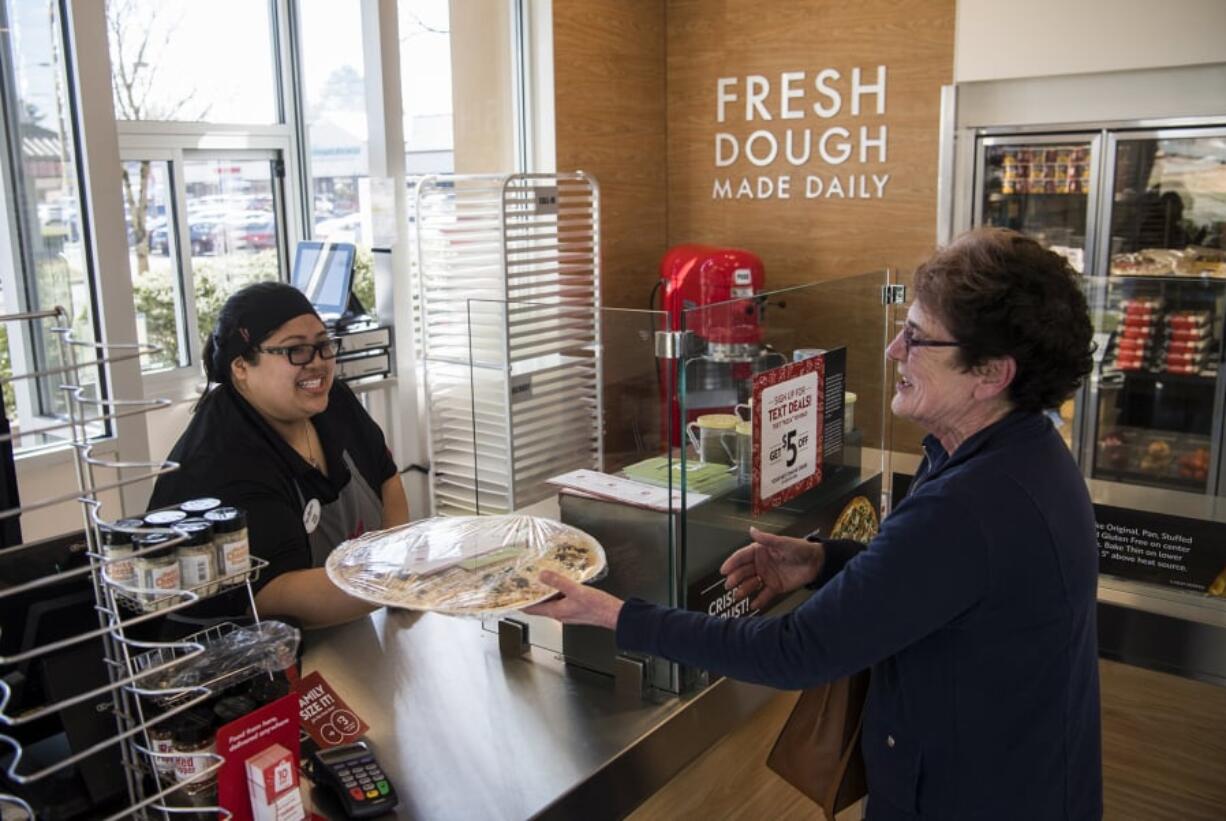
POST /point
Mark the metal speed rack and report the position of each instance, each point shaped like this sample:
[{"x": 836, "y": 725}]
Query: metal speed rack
[
  {"x": 507, "y": 294},
  {"x": 130, "y": 664}
]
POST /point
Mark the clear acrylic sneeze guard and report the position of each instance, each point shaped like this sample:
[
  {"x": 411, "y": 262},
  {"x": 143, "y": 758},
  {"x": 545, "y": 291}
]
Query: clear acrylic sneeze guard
[{"x": 646, "y": 424}]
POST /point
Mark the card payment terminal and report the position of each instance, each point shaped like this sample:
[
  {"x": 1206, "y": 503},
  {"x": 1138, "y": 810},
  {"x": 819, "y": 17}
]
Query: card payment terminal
[{"x": 358, "y": 781}]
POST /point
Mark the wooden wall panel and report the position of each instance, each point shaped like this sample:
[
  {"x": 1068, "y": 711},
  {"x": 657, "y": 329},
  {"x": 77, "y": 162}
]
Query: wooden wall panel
[
  {"x": 804, "y": 239},
  {"x": 610, "y": 113},
  {"x": 801, "y": 239}
]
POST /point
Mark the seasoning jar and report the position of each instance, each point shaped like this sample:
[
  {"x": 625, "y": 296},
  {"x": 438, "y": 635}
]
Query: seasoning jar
[
  {"x": 193, "y": 746},
  {"x": 117, "y": 544},
  {"x": 197, "y": 557},
  {"x": 157, "y": 572},
  {"x": 161, "y": 740},
  {"x": 164, "y": 518},
  {"x": 199, "y": 507},
  {"x": 230, "y": 541}
]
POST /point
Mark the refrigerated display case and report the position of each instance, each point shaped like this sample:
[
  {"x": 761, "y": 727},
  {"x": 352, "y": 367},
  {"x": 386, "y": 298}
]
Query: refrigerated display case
[
  {"x": 1042, "y": 185},
  {"x": 1155, "y": 398},
  {"x": 1142, "y": 213},
  {"x": 1167, "y": 211}
]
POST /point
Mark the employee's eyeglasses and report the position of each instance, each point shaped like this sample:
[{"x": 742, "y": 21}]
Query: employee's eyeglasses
[
  {"x": 305, "y": 354},
  {"x": 909, "y": 341}
]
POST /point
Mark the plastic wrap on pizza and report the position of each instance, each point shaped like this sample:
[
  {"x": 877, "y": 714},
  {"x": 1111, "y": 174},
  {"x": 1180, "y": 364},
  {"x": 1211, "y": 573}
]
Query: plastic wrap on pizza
[{"x": 476, "y": 566}]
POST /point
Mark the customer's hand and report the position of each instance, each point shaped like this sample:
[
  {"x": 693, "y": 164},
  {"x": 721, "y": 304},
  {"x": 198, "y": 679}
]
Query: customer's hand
[
  {"x": 578, "y": 604},
  {"x": 771, "y": 566}
]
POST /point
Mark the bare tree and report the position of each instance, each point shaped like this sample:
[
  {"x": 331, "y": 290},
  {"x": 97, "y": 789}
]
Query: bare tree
[{"x": 138, "y": 38}]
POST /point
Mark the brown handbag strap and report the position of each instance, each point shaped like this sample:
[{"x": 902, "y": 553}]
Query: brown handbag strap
[{"x": 832, "y": 791}]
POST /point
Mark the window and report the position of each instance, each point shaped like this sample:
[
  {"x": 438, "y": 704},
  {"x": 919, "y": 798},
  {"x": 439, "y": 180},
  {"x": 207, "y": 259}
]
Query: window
[
  {"x": 334, "y": 103},
  {"x": 233, "y": 209},
  {"x": 45, "y": 224},
  {"x": 153, "y": 254},
  {"x": 425, "y": 86},
  {"x": 212, "y": 223},
  {"x": 184, "y": 60},
  {"x": 204, "y": 142}
]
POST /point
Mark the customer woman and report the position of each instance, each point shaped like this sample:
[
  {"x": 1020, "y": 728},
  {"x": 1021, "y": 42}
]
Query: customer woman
[
  {"x": 975, "y": 604},
  {"x": 276, "y": 435}
]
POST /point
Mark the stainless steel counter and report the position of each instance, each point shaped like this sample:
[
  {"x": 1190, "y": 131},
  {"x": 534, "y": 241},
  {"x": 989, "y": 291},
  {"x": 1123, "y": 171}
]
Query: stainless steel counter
[{"x": 465, "y": 733}]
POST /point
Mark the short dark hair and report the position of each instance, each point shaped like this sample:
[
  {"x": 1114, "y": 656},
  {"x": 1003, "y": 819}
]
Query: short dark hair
[{"x": 1002, "y": 294}]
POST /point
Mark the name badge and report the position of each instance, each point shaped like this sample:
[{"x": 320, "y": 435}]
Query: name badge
[{"x": 310, "y": 515}]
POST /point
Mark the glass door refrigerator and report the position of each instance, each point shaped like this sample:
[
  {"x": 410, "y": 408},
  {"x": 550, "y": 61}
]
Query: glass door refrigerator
[
  {"x": 1159, "y": 300},
  {"x": 1045, "y": 186}
]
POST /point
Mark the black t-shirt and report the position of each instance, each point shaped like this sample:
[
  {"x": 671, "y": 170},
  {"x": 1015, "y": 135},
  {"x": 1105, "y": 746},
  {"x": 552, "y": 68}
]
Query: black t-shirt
[{"x": 229, "y": 452}]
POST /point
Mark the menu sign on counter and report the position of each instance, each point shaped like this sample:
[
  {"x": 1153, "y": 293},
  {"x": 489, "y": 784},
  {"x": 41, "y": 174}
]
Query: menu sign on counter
[
  {"x": 1158, "y": 548},
  {"x": 273, "y": 725}
]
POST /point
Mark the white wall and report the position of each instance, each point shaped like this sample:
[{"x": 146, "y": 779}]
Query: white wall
[
  {"x": 1005, "y": 39},
  {"x": 53, "y": 476}
]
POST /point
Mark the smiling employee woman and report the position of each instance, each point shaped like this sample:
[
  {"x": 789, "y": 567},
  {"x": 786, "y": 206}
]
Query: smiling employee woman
[{"x": 275, "y": 435}]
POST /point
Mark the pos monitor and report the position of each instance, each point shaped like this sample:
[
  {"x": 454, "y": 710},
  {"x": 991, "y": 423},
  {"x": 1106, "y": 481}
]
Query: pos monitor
[{"x": 324, "y": 272}]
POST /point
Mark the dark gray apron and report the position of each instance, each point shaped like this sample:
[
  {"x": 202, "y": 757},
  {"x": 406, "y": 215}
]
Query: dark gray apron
[{"x": 358, "y": 509}]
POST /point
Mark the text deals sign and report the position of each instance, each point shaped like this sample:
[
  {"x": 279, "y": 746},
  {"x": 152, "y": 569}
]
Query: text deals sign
[{"x": 787, "y": 432}]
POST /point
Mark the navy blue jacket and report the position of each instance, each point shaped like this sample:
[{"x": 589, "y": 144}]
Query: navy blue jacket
[{"x": 975, "y": 607}]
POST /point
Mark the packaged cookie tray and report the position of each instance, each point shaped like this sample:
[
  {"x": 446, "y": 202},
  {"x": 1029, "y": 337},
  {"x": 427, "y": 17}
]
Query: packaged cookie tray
[
  {"x": 1154, "y": 454},
  {"x": 471, "y": 566}
]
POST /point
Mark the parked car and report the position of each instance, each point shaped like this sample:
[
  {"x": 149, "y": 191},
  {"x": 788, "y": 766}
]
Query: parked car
[
  {"x": 257, "y": 235},
  {"x": 159, "y": 240},
  {"x": 207, "y": 238}
]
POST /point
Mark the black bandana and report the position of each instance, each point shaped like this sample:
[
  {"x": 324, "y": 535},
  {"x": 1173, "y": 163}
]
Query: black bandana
[{"x": 249, "y": 317}]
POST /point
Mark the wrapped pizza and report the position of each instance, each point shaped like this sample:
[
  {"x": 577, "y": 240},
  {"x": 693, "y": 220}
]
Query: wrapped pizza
[{"x": 475, "y": 566}]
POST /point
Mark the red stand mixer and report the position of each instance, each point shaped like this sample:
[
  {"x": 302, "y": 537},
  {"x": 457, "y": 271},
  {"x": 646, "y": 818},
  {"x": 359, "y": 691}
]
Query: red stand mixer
[{"x": 722, "y": 341}]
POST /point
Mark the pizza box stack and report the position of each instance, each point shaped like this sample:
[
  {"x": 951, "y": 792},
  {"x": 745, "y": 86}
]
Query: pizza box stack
[
  {"x": 1136, "y": 342},
  {"x": 1187, "y": 342}
]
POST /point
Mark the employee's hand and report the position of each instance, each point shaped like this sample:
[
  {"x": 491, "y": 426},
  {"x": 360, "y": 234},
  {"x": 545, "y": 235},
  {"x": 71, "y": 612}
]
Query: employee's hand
[
  {"x": 578, "y": 604},
  {"x": 771, "y": 566}
]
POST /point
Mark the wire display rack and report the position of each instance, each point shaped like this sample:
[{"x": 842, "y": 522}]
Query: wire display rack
[{"x": 132, "y": 665}]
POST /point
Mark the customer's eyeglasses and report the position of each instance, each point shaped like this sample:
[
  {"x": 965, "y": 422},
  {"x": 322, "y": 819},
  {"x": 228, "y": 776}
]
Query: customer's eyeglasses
[
  {"x": 909, "y": 341},
  {"x": 305, "y": 354}
]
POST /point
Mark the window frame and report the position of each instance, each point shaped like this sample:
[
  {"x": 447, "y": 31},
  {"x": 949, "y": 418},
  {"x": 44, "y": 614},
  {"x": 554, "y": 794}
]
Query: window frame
[
  {"x": 181, "y": 142},
  {"x": 18, "y": 265},
  {"x": 185, "y": 381},
  {"x": 100, "y": 141}
]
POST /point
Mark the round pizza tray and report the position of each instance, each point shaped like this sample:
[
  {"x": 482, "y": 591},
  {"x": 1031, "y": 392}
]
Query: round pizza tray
[{"x": 471, "y": 566}]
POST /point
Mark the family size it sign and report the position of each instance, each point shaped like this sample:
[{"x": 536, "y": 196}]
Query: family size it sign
[{"x": 1154, "y": 547}]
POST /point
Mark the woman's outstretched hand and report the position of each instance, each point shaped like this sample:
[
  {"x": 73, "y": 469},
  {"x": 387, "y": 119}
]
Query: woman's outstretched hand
[
  {"x": 771, "y": 566},
  {"x": 578, "y": 604}
]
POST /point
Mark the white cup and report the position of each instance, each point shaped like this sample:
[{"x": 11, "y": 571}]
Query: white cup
[{"x": 709, "y": 433}]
